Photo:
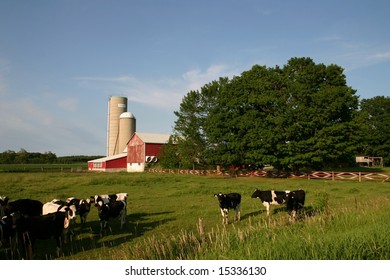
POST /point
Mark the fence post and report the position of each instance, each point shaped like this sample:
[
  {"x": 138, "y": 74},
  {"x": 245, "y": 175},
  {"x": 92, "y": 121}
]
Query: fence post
[
  {"x": 332, "y": 175},
  {"x": 360, "y": 176}
]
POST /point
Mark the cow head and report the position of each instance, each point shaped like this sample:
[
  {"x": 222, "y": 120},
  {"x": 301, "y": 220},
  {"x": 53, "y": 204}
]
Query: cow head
[
  {"x": 3, "y": 200},
  {"x": 103, "y": 210},
  {"x": 220, "y": 196},
  {"x": 221, "y": 199},
  {"x": 84, "y": 207},
  {"x": 69, "y": 213}
]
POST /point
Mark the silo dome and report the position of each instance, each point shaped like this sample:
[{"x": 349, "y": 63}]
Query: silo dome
[{"x": 127, "y": 115}]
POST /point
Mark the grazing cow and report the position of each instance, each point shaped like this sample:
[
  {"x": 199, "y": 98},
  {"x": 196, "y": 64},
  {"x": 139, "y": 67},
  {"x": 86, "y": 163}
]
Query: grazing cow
[
  {"x": 112, "y": 209},
  {"x": 29, "y": 207},
  {"x": 83, "y": 207},
  {"x": 31, "y": 228},
  {"x": 227, "y": 202},
  {"x": 269, "y": 198},
  {"x": 295, "y": 202}
]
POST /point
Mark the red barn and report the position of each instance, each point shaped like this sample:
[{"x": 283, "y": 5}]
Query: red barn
[
  {"x": 144, "y": 148},
  {"x": 109, "y": 164}
]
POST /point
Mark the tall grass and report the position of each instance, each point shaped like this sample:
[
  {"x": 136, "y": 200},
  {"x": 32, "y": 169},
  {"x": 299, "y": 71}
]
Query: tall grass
[{"x": 339, "y": 235}]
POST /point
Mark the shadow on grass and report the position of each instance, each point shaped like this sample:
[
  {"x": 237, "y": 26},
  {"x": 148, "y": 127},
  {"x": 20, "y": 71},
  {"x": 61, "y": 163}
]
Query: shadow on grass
[{"x": 86, "y": 237}]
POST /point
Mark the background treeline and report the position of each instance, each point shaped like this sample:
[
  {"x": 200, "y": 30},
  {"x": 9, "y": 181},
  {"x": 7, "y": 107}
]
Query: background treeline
[
  {"x": 25, "y": 157},
  {"x": 299, "y": 116}
]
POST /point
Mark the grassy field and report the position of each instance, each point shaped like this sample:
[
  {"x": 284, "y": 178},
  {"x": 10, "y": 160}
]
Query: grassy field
[{"x": 342, "y": 220}]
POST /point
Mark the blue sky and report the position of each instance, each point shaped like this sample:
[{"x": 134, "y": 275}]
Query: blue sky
[{"x": 61, "y": 60}]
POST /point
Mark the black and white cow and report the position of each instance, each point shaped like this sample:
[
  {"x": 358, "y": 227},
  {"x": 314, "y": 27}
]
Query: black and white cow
[
  {"x": 29, "y": 207},
  {"x": 295, "y": 201},
  {"x": 112, "y": 209},
  {"x": 105, "y": 198},
  {"x": 227, "y": 202},
  {"x": 83, "y": 207},
  {"x": 269, "y": 198},
  {"x": 31, "y": 228}
]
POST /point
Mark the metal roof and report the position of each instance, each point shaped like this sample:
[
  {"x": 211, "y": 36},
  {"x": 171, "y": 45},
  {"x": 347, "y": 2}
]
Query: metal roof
[
  {"x": 121, "y": 155},
  {"x": 154, "y": 138}
]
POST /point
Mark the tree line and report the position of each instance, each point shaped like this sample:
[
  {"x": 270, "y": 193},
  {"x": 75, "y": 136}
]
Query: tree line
[
  {"x": 299, "y": 116},
  {"x": 25, "y": 157}
]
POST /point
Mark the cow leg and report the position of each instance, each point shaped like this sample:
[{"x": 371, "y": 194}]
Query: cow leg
[
  {"x": 225, "y": 216},
  {"x": 267, "y": 206},
  {"x": 59, "y": 245},
  {"x": 103, "y": 227},
  {"x": 83, "y": 218},
  {"x": 292, "y": 216},
  {"x": 123, "y": 217},
  {"x": 27, "y": 245}
]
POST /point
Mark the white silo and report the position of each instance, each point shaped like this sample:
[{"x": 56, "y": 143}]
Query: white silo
[
  {"x": 126, "y": 129},
  {"x": 116, "y": 106}
]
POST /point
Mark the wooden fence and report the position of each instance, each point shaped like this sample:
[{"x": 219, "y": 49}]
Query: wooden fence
[{"x": 328, "y": 175}]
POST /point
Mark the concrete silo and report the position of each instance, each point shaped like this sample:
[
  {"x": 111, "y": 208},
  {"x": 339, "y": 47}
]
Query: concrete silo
[
  {"x": 126, "y": 129},
  {"x": 116, "y": 106}
]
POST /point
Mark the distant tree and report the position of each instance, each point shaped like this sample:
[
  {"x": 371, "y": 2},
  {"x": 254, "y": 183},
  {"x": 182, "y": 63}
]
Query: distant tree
[
  {"x": 374, "y": 127},
  {"x": 22, "y": 156},
  {"x": 7, "y": 157}
]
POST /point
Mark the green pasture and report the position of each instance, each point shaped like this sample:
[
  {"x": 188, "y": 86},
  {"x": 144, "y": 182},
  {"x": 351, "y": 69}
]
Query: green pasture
[{"x": 342, "y": 219}]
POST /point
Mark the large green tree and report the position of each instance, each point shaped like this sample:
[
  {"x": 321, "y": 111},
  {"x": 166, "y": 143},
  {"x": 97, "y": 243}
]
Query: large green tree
[{"x": 298, "y": 116}]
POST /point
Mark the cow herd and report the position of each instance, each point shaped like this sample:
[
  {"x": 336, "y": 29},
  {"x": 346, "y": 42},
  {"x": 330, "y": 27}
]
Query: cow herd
[
  {"x": 294, "y": 201},
  {"x": 26, "y": 220}
]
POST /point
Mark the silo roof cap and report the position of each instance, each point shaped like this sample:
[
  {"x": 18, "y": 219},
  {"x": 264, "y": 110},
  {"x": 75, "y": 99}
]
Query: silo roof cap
[{"x": 127, "y": 115}]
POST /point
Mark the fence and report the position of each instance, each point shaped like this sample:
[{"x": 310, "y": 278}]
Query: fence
[{"x": 329, "y": 175}]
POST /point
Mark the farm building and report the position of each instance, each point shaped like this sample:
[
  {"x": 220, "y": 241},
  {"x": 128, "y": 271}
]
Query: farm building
[
  {"x": 369, "y": 161},
  {"x": 109, "y": 164},
  {"x": 144, "y": 148}
]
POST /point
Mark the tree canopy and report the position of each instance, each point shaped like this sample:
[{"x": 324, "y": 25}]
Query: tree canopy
[{"x": 301, "y": 115}]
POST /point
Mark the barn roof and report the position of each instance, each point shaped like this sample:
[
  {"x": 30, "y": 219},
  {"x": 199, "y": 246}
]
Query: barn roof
[
  {"x": 154, "y": 138},
  {"x": 105, "y": 159}
]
